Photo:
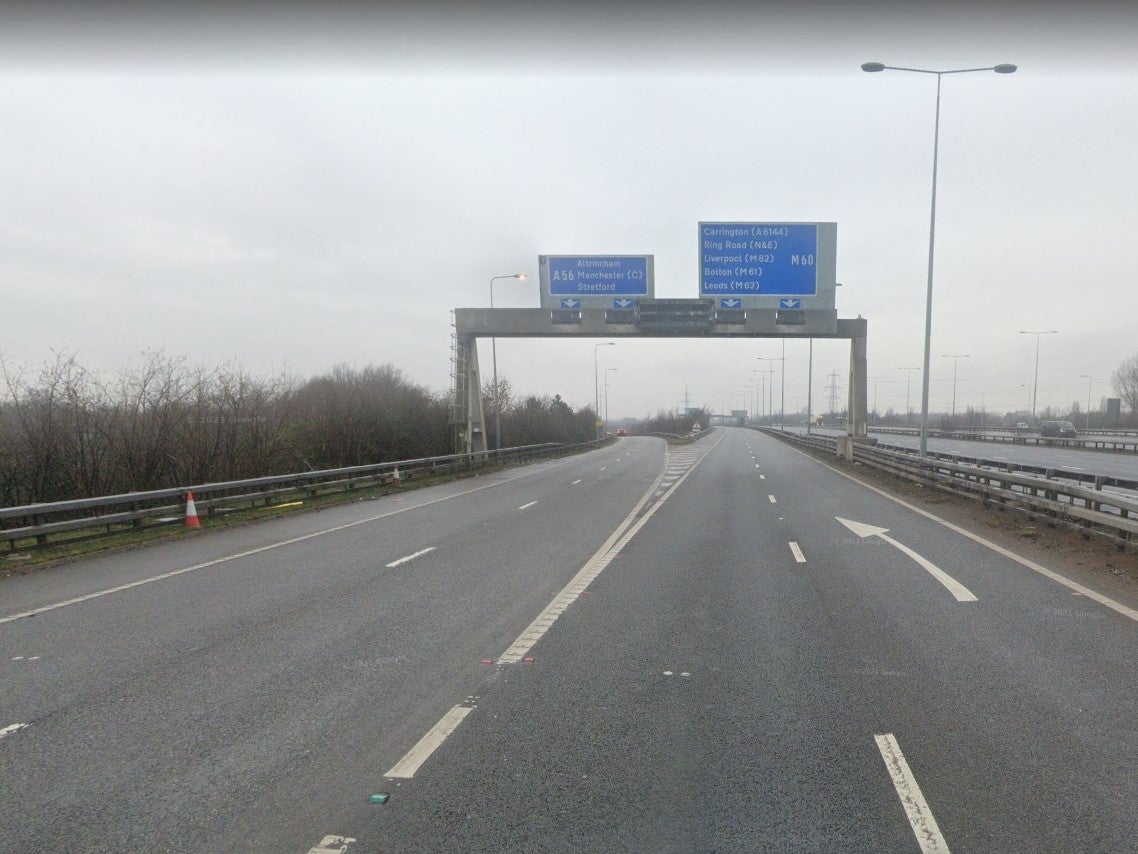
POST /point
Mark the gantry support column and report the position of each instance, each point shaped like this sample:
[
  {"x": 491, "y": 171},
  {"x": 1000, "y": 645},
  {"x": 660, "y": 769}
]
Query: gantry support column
[{"x": 858, "y": 385}]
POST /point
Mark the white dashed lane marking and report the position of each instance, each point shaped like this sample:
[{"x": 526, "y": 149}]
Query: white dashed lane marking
[
  {"x": 797, "y": 552},
  {"x": 410, "y": 557},
  {"x": 772, "y": 499},
  {"x": 527, "y": 506}
]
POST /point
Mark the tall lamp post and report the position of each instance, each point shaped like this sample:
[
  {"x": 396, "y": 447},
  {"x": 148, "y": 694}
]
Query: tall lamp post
[
  {"x": 770, "y": 371},
  {"x": 607, "y": 396},
  {"x": 597, "y": 386},
  {"x": 908, "y": 408},
  {"x": 1003, "y": 68},
  {"x": 494, "y": 357},
  {"x": 1087, "y": 377},
  {"x": 876, "y": 383},
  {"x": 1035, "y": 386},
  {"x": 955, "y": 358}
]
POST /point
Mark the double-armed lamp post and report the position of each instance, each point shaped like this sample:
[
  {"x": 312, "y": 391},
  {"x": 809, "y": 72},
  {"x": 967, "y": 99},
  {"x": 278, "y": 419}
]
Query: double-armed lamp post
[{"x": 1004, "y": 68}]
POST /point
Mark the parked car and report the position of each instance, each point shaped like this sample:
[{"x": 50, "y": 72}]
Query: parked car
[{"x": 1058, "y": 429}]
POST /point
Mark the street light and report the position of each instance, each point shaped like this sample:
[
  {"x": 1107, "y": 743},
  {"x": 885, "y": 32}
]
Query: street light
[
  {"x": 955, "y": 359},
  {"x": 1087, "y": 377},
  {"x": 770, "y": 371},
  {"x": 597, "y": 387},
  {"x": 908, "y": 408},
  {"x": 607, "y": 395},
  {"x": 1035, "y": 391},
  {"x": 494, "y": 352},
  {"x": 872, "y": 67},
  {"x": 876, "y": 383}
]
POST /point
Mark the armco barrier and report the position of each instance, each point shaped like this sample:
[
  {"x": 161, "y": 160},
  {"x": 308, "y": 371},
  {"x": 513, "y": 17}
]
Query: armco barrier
[
  {"x": 37, "y": 522},
  {"x": 1112, "y": 514}
]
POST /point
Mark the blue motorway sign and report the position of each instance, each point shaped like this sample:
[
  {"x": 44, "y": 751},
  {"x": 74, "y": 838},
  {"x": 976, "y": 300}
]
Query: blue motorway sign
[
  {"x": 598, "y": 275},
  {"x": 789, "y": 304},
  {"x": 730, "y": 302},
  {"x": 623, "y": 303},
  {"x": 570, "y": 303},
  {"x": 758, "y": 259}
]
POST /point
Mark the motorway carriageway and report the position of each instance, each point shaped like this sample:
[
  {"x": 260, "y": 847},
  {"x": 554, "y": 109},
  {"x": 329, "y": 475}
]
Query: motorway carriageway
[
  {"x": 729, "y": 646},
  {"x": 1059, "y": 457}
]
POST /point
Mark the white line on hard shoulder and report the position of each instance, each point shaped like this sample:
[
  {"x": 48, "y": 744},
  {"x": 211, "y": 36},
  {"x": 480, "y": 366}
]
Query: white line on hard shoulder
[
  {"x": 797, "y": 552},
  {"x": 527, "y": 505},
  {"x": 917, "y": 810},
  {"x": 249, "y": 552},
  {"x": 419, "y": 553}
]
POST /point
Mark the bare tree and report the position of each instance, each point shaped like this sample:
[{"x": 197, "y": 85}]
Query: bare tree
[{"x": 1125, "y": 382}]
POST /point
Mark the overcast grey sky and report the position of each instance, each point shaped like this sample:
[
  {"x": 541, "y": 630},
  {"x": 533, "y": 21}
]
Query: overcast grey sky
[{"x": 293, "y": 187}]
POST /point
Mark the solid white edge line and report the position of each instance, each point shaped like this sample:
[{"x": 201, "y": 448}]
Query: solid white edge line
[
  {"x": 406, "y": 767},
  {"x": 1106, "y": 601},
  {"x": 401, "y": 560},
  {"x": 292, "y": 541},
  {"x": 797, "y": 552},
  {"x": 595, "y": 565},
  {"x": 527, "y": 506},
  {"x": 11, "y": 728},
  {"x": 917, "y": 810}
]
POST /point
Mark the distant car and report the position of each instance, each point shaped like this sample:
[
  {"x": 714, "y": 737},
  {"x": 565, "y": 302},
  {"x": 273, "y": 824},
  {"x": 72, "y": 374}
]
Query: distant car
[
  {"x": 620, "y": 431},
  {"x": 1058, "y": 429}
]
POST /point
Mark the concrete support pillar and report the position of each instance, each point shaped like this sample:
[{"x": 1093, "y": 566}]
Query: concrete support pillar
[
  {"x": 475, "y": 418},
  {"x": 858, "y": 387}
]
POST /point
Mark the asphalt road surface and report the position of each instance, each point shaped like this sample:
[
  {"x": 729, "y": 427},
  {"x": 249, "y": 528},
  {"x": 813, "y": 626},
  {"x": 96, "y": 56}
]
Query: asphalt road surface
[{"x": 728, "y": 647}]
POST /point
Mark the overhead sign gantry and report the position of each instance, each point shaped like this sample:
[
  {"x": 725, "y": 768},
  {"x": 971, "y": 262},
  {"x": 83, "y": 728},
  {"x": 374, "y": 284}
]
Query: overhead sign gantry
[{"x": 756, "y": 280}]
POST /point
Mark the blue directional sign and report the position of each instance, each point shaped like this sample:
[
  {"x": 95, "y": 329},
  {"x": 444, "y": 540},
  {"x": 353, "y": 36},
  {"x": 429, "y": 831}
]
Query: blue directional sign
[
  {"x": 758, "y": 259},
  {"x": 598, "y": 275},
  {"x": 730, "y": 302},
  {"x": 623, "y": 303},
  {"x": 570, "y": 303},
  {"x": 788, "y": 304}
]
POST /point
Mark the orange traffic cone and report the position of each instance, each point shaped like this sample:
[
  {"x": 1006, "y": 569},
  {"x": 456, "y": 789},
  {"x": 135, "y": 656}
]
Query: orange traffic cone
[
  {"x": 395, "y": 478},
  {"x": 192, "y": 520}
]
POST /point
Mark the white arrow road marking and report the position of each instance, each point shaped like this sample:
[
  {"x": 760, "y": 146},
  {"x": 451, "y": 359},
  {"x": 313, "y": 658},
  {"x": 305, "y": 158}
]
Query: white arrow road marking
[
  {"x": 962, "y": 593},
  {"x": 921, "y": 818},
  {"x": 332, "y": 845},
  {"x": 11, "y": 728},
  {"x": 419, "y": 553}
]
